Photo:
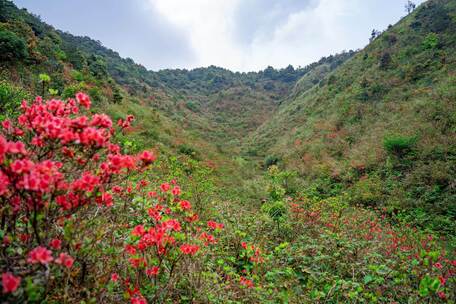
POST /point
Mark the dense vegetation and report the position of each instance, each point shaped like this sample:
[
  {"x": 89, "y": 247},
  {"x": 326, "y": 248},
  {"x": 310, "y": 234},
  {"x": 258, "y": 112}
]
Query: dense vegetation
[
  {"x": 381, "y": 127},
  {"x": 330, "y": 183}
]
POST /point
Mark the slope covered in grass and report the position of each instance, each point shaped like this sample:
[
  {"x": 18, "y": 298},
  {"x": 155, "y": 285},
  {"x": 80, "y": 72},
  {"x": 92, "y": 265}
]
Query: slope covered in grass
[{"x": 382, "y": 126}]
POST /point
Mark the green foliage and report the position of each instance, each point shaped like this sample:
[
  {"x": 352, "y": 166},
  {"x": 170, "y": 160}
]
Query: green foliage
[
  {"x": 431, "y": 41},
  {"x": 187, "y": 150},
  {"x": 12, "y": 47},
  {"x": 276, "y": 210},
  {"x": 432, "y": 17},
  {"x": 10, "y": 99},
  {"x": 399, "y": 145}
]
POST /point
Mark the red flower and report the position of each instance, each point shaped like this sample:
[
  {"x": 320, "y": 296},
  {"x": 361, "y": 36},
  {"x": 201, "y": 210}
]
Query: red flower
[
  {"x": 185, "y": 205},
  {"x": 246, "y": 282},
  {"x": 147, "y": 157},
  {"x": 9, "y": 282},
  {"x": 138, "y": 230},
  {"x": 153, "y": 271},
  {"x": 40, "y": 255},
  {"x": 165, "y": 187},
  {"x": 83, "y": 100},
  {"x": 213, "y": 225},
  {"x": 441, "y": 295},
  {"x": 114, "y": 277},
  {"x": 6, "y": 124},
  {"x": 172, "y": 225},
  {"x": 176, "y": 190},
  {"x": 189, "y": 249},
  {"x": 438, "y": 265},
  {"x": 130, "y": 249},
  {"x": 55, "y": 244},
  {"x": 65, "y": 260},
  {"x": 138, "y": 300}
]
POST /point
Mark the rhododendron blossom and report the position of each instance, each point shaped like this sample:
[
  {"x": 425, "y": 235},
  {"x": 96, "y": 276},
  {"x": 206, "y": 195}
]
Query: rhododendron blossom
[
  {"x": 165, "y": 187},
  {"x": 185, "y": 205},
  {"x": 9, "y": 282},
  {"x": 114, "y": 277},
  {"x": 189, "y": 249},
  {"x": 176, "y": 191},
  {"x": 55, "y": 244},
  {"x": 153, "y": 271},
  {"x": 40, "y": 255},
  {"x": 65, "y": 260}
]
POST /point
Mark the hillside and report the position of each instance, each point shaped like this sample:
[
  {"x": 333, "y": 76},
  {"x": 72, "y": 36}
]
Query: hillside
[
  {"x": 382, "y": 126},
  {"x": 329, "y": 183}
]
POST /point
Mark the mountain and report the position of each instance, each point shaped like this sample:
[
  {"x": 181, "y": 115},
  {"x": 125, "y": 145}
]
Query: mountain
[
  {"x": 329, "y": 183},
  {"x": 382, "y": 125}
]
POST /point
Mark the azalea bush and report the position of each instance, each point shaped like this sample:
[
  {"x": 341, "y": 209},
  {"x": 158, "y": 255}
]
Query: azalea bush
[{"x": 70, "y": 205}]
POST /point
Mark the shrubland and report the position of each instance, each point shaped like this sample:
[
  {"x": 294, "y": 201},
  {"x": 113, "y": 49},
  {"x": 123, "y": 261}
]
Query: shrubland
[{"x": 330, "y": 183}]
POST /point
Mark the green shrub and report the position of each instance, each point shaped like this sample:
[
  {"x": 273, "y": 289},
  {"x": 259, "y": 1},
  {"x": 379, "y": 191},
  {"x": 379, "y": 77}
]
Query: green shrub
[
  {"x": 12, "y": 47},
  {"x": 431, "y": 41},
  {"x": 187, "y": 150},
  {"x": 10, "y": 99},
  {"x": 399, "y": 145},
  {"x": 71, "y": 90}
]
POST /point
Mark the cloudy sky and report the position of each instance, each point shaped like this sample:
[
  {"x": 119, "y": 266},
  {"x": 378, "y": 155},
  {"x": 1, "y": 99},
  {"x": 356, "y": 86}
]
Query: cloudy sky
[{"x": 242, "y": 35}]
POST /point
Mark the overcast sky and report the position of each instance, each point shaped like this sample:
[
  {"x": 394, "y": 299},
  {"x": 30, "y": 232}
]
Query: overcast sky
[{"x": 241, "y": 35}]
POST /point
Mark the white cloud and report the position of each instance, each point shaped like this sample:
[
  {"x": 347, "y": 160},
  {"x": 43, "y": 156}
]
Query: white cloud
[
  {"x": 307, "y": 31},
  {"x": 208, "y": 24}
]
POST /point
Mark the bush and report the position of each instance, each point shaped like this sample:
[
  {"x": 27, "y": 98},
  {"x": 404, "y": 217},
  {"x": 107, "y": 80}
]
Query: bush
[
  {"x": 12, "y": 47},
  {"x": 432, "y": 17},
  {"x": 10, "y": 99},
  {"x": 271, "y": 160},
  {"x": 187, "y": 150},
  {"x": 399, "y": 145},
  {"x": 72, "y": 218},
  {"x": 431, "y": 41}
]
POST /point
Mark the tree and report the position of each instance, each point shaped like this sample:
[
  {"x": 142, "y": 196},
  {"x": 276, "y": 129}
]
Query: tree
[
  {"x": 12, "y": 47},
  {"x": 45, "y": 80},
  {"x": 410, "y": 6}
]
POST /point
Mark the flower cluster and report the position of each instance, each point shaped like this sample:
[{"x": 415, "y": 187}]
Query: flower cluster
[
  {"x": 57, "y": 161},
  {"x": 168, "y": 239}
]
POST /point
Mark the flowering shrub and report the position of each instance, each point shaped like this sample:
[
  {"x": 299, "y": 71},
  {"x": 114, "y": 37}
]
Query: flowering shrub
[
  {"x": 62, "y": 182},
  {"x": 162, "y": 246}
]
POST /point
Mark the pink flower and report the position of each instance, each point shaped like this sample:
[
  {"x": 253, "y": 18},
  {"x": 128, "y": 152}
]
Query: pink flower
[
  {"x": 438, "y": 265},
  {"x": 172, "y": 225},
  {"x": 138, "y": 300},
  {"x": 9, "y": 282},
  {"x": 55, "y": 244},
  {"x": 40, "y": 255},
  {"x": 176, "y": 190},
  {"x": 83, "y": 100},
  {"x": 6, "y": 124},
  {"x": 65, "y": 260},
  {"x": 441, "y": 295},
  {"x": 114, "y": 277},
  {"x": 147, "y": 157}
]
